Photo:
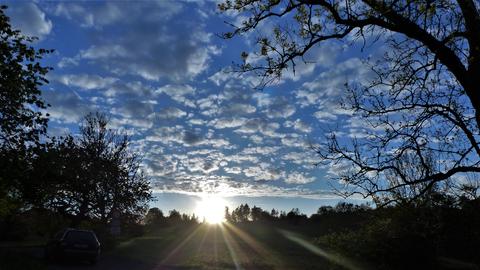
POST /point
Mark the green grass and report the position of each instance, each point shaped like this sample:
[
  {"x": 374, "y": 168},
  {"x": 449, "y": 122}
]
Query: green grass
[
  {"x": 216, "y": 247},
  {"x": 203, "y": 247}
]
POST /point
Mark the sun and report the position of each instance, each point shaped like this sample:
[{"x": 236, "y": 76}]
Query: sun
[{"x": 211, "y": 209}]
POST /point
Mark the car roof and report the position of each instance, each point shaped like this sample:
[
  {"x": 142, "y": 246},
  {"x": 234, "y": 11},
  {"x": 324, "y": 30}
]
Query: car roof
[{"x": 78, "y": 230}]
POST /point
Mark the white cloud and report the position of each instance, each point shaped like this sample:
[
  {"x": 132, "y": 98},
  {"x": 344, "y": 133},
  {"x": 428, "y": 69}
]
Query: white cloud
[
  {"x": 325, "y": 116},
  {"x": 67, "y": 106},
  {"x": 233, "y": 170},
  {"x": 262, "y": 173},
  {"x": 275, "y": 107},
  {"x": 170, "y": 113},
  {"x": 298, "y": 125},
  {"x": 222, "y": 123},
  {"x": 109, "y": 13},
  {"x": 85, "y": 81},
  {"x": 28, "y": 17},
  {"x": 237, "y": 109},
  {"x": 146, "y": 47},
  {"x": 298, "y": 178},
  {"x": 323, "y": 56},
  {"x": 260, "y": 125}
]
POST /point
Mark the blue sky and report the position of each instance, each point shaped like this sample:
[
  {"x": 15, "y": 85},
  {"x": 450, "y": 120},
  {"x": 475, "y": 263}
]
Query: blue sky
[{"x": 159, "y": 70}]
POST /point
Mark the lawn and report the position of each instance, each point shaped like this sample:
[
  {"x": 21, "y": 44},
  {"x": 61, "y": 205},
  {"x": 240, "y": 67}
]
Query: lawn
[{"x": 215, "y": 247}]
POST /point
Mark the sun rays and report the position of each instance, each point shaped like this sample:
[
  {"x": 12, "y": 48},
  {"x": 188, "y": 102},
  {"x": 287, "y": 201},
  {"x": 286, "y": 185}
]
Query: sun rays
[{"x": 222, "y": 245}]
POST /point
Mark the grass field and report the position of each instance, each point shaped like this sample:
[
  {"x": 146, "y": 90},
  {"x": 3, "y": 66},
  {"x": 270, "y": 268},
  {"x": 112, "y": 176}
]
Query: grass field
[
  {"x": 248, "y": 246},
  {"x": 214, "y": 247}
]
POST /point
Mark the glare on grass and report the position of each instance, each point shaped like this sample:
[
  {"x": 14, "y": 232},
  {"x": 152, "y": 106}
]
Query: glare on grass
[{"x": 211, "y": 209}]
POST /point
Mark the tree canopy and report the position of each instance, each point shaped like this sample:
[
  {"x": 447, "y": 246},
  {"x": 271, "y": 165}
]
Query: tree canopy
[
  {"x": 96, "y": 174},
  {"x": 22, "y": 121},
  {"x": 21, "y": 76},
  {"x": 423, "y": 104}
]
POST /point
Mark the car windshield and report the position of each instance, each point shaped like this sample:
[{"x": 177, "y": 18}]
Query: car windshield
[{"x": 80, "y": 237}]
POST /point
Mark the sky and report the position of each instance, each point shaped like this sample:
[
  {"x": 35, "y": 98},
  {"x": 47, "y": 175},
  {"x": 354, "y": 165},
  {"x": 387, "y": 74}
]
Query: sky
[{"x": 161, "y": 73}]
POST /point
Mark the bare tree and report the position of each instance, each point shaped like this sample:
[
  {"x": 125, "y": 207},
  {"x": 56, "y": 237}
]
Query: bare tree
[{"x": 423, "y": 105}]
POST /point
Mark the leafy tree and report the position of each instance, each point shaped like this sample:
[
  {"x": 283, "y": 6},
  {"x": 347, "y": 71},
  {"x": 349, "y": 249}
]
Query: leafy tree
[
  {"x": 423, "y": 104},
  {"x": 154, "y": 217},
  {"x": 295, "y": 216},
  {"x": 174, "y": 217},
  {"x": 258, "y": 214},
  {"x": 324, "y": 210},
  {"x": 21, "y": 119},
  {"x": 21, "y": 76},
  {"x": 113, "y": 169},
  {"x": 97, "y": 174},
  {"x": 241, "y": 214},
  {"x": 274, "y": 213}
]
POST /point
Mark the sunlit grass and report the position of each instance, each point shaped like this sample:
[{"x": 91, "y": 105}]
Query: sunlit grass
[{"x": 224, "y": 246}]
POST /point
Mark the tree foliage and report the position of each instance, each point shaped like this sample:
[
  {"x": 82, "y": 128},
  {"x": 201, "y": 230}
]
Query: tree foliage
[
  {"x": 423, "y": 104},
  {"x": 21, "y": 76},
  {"x": 22, "y": 122},
  {"x": 93, "y": 175}
]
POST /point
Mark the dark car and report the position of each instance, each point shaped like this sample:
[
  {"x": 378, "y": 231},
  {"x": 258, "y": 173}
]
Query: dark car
[{"x": 75, "y": 245}]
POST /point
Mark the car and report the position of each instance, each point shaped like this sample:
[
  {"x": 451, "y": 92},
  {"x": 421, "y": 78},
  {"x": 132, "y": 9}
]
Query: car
[{"x": 74, "y": 244}]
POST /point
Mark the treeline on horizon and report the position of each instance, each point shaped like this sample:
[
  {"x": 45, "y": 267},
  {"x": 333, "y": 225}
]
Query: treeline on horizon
[{"x": 246, "y": 214}]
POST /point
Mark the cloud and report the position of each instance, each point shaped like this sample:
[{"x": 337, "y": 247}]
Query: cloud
[
  {"x": 298, "y": 125},
  {"x": 294, "y": 140},
  {"x": 197, "y": 121},
  {"x": 67, "y": 106},
  {"x": 136, "y": 110},
  {"x": 329, "y": 86},
  {"x": 298, "y": 178},
  {"x": 233, "y": 170},
  {"x": 260, "y": 125},
  {"x": 199, "y": 183},
  {"x": 275, "y": 107},
  {"x": 325, "y": 116},
  {"x": 256, "y": 139},
  {"x": 323, "y": 56},
  {"x": 170, "y": 113},
  {"x": 222, "y": 123},
  {"x": 191, "y": 138},
  {"x": 262, "y": 173},
  {"x": 129, "y": 90},
  {"x": 85, "y": 81},
  {"x": 170, "y": 135},
  {"x": 146, "y": 47},
  {"x": 237, "y": 109},
  {"x": 109, "y": 13},
  {"x": 28, "y": 17},
  {"x": 154, "y": 68},
  {"x": 262, "y": 150},
  {"x": 307, "y": 159},
  {"x": 179, "y": 93}
]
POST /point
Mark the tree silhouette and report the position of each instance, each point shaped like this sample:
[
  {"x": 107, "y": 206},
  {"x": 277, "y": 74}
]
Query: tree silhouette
[
  {"x": 423, "y": 103},
  {"x": 96, "y": 174},
  {"x": 241, "y": 214},
  {"x": 21, "y": 76},
  {"x": 22, "y": 122},
  {"x": 154, "y": 217}
]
